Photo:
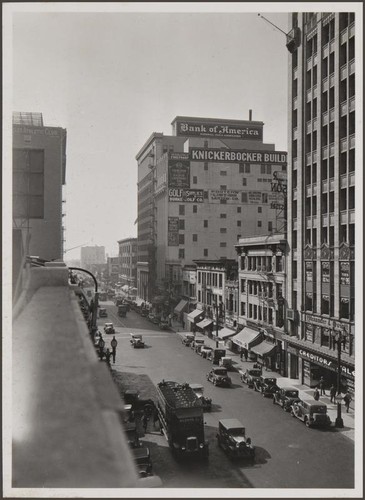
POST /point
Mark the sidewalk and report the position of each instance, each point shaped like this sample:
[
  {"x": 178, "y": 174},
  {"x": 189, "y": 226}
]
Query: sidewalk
[{"x": 305, "y": 392}]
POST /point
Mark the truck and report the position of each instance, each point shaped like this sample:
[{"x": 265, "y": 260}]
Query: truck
[
  {"x": 122, "y": 310},
  {"x": 181, "y": 419}
]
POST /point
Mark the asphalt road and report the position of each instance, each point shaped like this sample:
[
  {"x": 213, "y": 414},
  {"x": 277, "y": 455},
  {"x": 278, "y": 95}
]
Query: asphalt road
[{"x": 288, "y": 454}]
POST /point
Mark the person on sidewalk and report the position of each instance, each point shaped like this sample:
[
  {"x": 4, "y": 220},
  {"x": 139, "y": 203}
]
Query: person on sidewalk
[
  {"x": 321, "y": 386},
  {"x": 145, "y": 423},
  {"x": 347, "y": 400},
  {"x": 114, "y": 344},
  {"x": 316, "y": 394},
  {"x": 332, "y": 393}
]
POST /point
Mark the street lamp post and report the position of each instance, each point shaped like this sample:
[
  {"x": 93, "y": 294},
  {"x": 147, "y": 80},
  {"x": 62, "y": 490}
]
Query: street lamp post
[{"x": 340, "y": 340}]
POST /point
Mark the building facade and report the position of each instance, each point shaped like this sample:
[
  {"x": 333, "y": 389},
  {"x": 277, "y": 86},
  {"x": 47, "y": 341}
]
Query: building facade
[
  {"x": 202, "y": 189},
  {"x": 93, "y": 257},
  {"x": 128, "y": 261},
  {"x": 39, "y": 174},
  {"x": 112, "y": 270},
  {"x": 321, "y": 197},
  {"x": 262, "y": 264}
]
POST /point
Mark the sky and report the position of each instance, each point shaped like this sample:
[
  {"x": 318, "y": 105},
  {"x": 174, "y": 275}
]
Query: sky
[{"x": 113, "y": 78}]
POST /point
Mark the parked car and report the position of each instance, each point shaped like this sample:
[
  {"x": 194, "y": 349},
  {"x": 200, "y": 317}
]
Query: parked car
[
  {"x": 198, "y": 348},
  {"x": 215, "y": 355},
  {"x": 187, "y": 339},
  {"x": 250, "y": 375},
  {"x": 144, "y": 312},
  {"x": 204, "y": 351},
  {"x": 266, "y": 385},
  {"x": 136, "y": 340},
  {"x": 219, "y": 376},
  {"x": 197, "y": 341},
  {"x": 103, "y": 312},
  {"x": 151, "y": 317},
  {"x": 109, "y": 328},
  {"x": 164, "y": 324},
  {"x": 312, "y": 413},
  {"x": 132, "y": 435},
  {"x": 286, "y": 397},
  {"x": 199, "y": 391},
  {"x": 226, "y": 362},
  {"x": 142, "y": 459},
  {"x": 232, "y": 439}
]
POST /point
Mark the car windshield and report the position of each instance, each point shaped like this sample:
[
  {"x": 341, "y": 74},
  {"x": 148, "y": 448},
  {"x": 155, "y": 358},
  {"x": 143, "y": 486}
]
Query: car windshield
[
  {"x": 270, "y": 381},
  {"x": 239, "y": 431},
  {"x": 291, "y": 394},
  {"x": 220, "y": 371},
  {"x": 255, "y": 373},
  {"x": 318, "y": 409}
]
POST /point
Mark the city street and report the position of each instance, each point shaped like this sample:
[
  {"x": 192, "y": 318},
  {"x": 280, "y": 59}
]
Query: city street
[{"x": 288, "y": 454}]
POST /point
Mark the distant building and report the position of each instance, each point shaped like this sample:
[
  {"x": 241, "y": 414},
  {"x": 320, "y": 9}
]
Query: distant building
[
  {"x": 93, "y": 257},
  {"x": 128, "y": 262},
  {"x": 112, "y": 269},
  {"x": 199, "y": 191},
  {"x": 39, "y": 174},
  {"x": 321, "y": 196}
]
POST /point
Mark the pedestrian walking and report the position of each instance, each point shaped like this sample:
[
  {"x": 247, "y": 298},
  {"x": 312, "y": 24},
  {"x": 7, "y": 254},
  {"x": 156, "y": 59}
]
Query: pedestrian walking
[
  {"x": 114, "y": 344},
  {"x": 145, "y": 423},
  {"x": 245, "y": 353},
  {"x": 347, "y": 400},
  {"x": 241, "y": 354},
  {"x": 332, "y": 393},
  {"x": 321, "y": 386},
  {"x": 107, "y": 356},
  {"x": 101, "y": 346},
  {"x": 316, "y": 394}
]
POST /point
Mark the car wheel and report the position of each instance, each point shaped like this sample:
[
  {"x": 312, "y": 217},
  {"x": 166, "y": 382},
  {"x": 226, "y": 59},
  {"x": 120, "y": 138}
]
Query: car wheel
[
  {"x": 292, "y": 413},
  {"x": 263, "y": 394},
  {"x": 307, "y": 423},
  {"x": 214, "y": 382}
]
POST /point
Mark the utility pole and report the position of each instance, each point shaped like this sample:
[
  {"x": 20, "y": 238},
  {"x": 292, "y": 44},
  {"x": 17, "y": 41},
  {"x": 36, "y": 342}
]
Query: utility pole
[{"x": 340, "y": 340}]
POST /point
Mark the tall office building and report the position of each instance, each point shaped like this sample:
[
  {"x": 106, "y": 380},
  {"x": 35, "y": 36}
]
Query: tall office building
[
  {"x": 199, "y": 191},
  {"x": 39, "y": 173},
  {"x": 321, "y": 196},
  {"x": 92, "y": 256}
]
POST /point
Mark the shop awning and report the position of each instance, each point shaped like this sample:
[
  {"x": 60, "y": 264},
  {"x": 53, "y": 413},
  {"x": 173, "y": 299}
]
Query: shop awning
[
  {"x": 205, "y": 323},
  {"x": 225, "y": 333},
  {"x": 181, "y": 306},
  {"x": 264, "y": 349},
  {"x": 194, "y": 314},
  {"x": 247, "y": 337}
]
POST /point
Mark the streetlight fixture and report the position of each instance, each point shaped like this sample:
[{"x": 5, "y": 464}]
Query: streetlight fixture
[{"x": 340, "y": 340}]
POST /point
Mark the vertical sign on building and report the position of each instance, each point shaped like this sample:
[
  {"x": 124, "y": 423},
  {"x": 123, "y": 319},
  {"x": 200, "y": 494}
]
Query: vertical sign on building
[
  {"x": 173, "y": 232},
  {"x": 179, "y": 170}
]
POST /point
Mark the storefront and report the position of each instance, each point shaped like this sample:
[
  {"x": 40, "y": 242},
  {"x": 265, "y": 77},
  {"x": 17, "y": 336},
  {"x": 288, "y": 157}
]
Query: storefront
[
  {"x": 193, "y": 318},
  {"x": 316, "y": 364},
  {"x": 246, "y": 339},
  {"x": 205, "y": 326},
  {"x": 180, "y": 308},
  {"x": 266, "y": 354}
]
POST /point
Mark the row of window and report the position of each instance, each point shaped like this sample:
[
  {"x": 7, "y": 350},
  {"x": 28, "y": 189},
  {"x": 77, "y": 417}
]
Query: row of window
[
  {"x": 347, "y": 305},
  {"x": 257, "y": 312},
  {"x": 262, "y": 264},
  {"x": 324, "y": 337},
  {"x": 328, "y": 235},
  {"x": 210, "y": 278}
]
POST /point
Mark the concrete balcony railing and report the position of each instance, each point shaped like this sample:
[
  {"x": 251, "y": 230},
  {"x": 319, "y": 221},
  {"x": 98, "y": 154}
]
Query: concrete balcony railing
[{"x": 67, "y": 412}]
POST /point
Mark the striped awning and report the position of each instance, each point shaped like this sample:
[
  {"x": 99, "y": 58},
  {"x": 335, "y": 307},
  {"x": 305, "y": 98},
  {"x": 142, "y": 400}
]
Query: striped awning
[
  {"x": 247, "y": 337},
  {"x": 225, "y": 333},
  {"x": 264, "y": 349},
  {"x": 195, "y": 314},
  {"x": 181, "y": 306},
  {"x": 205, "y": 323}
]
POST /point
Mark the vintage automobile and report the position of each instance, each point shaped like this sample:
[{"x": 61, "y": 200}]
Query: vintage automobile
[
  {"x": 215, "y": 355},
  {"x": 144, "y": 312},
  {"x": 250, "y": 375},
  {"x": 151, "y": 317},
  {"x": 188, "y": 339},
  {"x": 136, "y": 340},
  {"x": 204, "y": 351},
  {"x": 232, "y": 439},
  {"x": 134, "y": 403},
  {"x": 198, "y": 348},
  {"x": 226, "y": 362},
  {"x": 109, "y": 328},
  {"x": 312, "y": 413},
  {"x": 164, "y": 324},
  {"x": 199, "y": 391},
  {"x": 266, "y": 385},
  {"x": 132, "y": 434},
  {"x": 285, "y": 397},
  {"x": 142, "y": 459},
  {"x": 103, "y": 312},
  {"x": 219, "y": 377},
  {"x": 197, "y": 341}
]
